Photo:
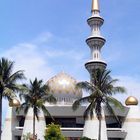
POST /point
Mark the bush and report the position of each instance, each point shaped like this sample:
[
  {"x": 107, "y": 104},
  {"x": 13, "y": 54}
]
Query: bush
[
  {"x": 29, "y": 136},
  {"x": 53, "y": 132},
  {"x": 85, "y": 138}
]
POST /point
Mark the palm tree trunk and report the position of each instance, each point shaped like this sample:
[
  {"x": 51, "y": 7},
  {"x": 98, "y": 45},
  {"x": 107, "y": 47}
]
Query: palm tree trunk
[
  {"x": 99, "y": 134},
  {"x": 33, "y": 124},
  {"x": 0, "y": 115}
]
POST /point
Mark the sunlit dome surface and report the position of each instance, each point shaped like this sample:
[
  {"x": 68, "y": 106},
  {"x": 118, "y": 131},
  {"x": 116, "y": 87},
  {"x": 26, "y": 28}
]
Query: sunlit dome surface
[
  {"x": 63, "y": 87},
  {"x": 131, "y": 101}
]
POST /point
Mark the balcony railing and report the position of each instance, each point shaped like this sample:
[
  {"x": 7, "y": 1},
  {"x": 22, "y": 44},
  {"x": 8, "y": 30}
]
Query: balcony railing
[
  {"x": 76, "y": 132},
  {"x": 116, "y": 133}
]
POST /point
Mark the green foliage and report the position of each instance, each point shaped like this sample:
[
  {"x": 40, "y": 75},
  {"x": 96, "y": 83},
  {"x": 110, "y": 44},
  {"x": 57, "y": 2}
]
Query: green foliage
[
  {"x": 53, "y": 132},
  {"x": 85, "y": 138},
  {"x": 37, "y": 94},
  {"x": 28, "y": 136},
  {"x": 101, "y": 89},
  {"x": 9, "y": 79}
]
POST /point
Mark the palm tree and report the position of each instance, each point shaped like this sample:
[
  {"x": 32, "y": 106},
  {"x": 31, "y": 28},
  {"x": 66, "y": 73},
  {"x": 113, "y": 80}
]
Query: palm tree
[
  {"x": 35, "y": 97},
  {"x": 100, "y": 91},
  {"x": 8, "y": 82}
]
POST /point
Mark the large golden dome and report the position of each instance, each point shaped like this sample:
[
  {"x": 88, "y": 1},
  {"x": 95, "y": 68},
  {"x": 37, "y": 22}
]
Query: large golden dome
[
  {"x": 63, "y": 86},
  {"x": 131, "y": 101}
]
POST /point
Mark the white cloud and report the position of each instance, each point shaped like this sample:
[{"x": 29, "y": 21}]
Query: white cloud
[
  {"x": 36, "y": 55},
  {"x": 36, "y": 59},
  {"x": 30, "y": 58},
  {"x": 66, "y": 54},
  {"x": 44, "y": 37},
  {"x": 41, "y": 58}
]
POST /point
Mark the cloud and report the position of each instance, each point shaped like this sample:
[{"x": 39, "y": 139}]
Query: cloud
[
  {"x": 46, "y": 55},
  {"x": 44, "y": 37},
  {"x": 29, "y": 57},
  {"x": 42, "y": 58}
]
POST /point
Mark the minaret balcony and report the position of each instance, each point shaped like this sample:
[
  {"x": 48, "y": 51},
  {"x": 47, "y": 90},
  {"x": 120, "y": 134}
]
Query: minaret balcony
[
  {"x": 95, "y": 21},
  {"x": 95, "y": 41},
  {"x": 95, "y": 64}
]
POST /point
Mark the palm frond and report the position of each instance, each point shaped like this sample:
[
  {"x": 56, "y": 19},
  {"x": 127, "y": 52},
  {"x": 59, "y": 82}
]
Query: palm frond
[
  {"x": 76, "y": 104},
  {"x": 50, "y": 99},
  {"x": 86, "y": 86},
  {"x": 101, "y": 89},
  {"x": 17, "y": 75},
  {"x": 118, "y": 89},
  {"x": 89, "y": 112},
  {"x": 111, "y": 110},
  {"x": 115, "y": 102},
  {"x": 46, "y": 112}
]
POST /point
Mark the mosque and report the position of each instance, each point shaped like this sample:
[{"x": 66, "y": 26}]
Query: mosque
[{"x": 73, "y": 126}]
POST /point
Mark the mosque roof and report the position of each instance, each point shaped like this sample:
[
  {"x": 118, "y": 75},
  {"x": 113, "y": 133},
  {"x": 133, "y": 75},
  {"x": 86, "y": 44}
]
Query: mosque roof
[
  {"x": 131, "y": 100},
  {"x": 64, "y": 84}
]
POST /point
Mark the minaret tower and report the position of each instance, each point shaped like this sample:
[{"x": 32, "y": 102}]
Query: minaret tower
[{"x": 95, "y": 41}]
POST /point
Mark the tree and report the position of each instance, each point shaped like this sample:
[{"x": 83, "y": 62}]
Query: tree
[
  {"x": 8, "y": 82},
  {"x": 35, "y": 97},
  {"x": 100, "y": 90},
  {"x": 53, "y": 132}
]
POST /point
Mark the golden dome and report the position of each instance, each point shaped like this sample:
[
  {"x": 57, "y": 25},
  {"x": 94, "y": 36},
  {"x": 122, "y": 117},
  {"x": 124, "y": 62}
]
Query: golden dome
[
  {"x": 131, "y": 101},
  {"x": 64, "y": 85},
  {"x": 14, "y": 103}
]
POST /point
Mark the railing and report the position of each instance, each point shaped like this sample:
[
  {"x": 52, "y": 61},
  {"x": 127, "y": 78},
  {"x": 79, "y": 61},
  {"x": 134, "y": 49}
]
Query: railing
[
  {"x": 63, "y": 129},
  {"x": 75, "y": 132},
  {"x": 78, "y": 129},
  {"x": 116, "y": 133},
  {"x": 70, "y": 129},
  {"x": 116, "y": 129},
  {"x": 18, "y": 128}
]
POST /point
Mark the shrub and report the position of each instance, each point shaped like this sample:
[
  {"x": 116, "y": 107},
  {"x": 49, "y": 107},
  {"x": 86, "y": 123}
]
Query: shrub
[
  {"x": 29, "y": 136},
  {"x": 85, "y": 138},
  {"x": 53, "y": 132}
]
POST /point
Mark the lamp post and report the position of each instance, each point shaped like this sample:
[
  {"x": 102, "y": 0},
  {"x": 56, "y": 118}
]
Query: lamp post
[{"x": 12, "y": 103}]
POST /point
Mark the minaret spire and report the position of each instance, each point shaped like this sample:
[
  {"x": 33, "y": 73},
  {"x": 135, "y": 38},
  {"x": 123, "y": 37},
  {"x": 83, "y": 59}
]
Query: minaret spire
[
  {"x": 95, "y": 41},
  {"x": 95, "y": 5}
]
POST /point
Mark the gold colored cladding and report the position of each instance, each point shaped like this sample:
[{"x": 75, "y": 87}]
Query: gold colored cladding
[
  {"x": 14, "y": 103},
  {"x": 63, "y": 83},
  {"x": 95, "y": 5},
  {"x": 31, "y": 118},
  {"x": 10, "y": 119},
  {"x": 132, "y": 120},
  {"x": 94, "y": 118},
  {"x": 131, "y": 101}
]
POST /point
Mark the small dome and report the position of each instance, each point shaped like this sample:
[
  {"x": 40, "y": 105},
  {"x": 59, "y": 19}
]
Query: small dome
[
  {"x": 14, "y": 103},
  {"x": 131, "y": 101},
  {"x": 63, "y": 87}
]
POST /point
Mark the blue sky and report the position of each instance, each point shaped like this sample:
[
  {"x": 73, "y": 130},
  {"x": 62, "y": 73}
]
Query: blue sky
[{"x": 45, "y": 37}]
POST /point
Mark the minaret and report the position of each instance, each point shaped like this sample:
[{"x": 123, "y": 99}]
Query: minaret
[{"x": 95, "y": 41}]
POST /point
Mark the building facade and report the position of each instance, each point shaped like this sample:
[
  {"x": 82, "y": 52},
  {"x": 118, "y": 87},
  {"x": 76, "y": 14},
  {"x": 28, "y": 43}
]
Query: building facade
[{"x": 73, "y": 125}]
